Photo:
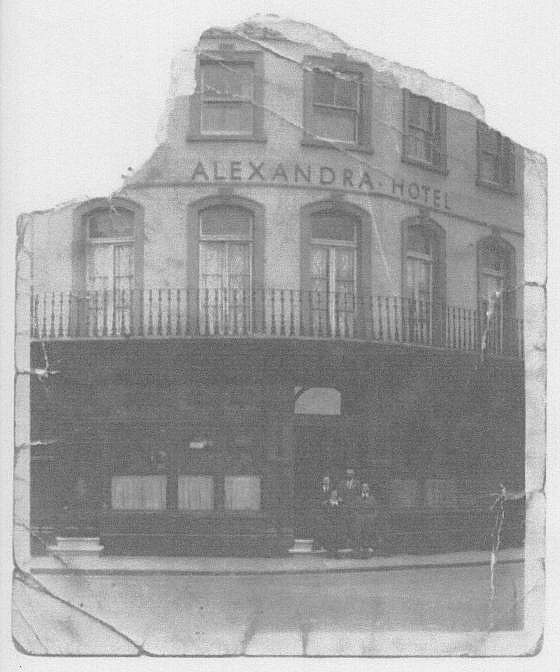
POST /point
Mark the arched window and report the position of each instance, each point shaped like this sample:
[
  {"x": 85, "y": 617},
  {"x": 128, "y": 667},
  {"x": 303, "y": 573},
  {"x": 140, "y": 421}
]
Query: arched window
[
  {"x": 335, "y": 267},
  {"x": 423, "y": 280},
  {"x": 496, "y": 302},
  {"x": 334, "y": 238},
  {"x": 107, "y": 267},
  {"x": 226, "y": 266},
  {"x": 110, "y": 264}
]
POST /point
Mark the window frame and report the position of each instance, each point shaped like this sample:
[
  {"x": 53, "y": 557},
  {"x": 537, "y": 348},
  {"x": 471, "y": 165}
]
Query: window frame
[
  {"x": 232, "y": 58},
  {"x": 438, "y": 112},
  {"x": 505, "y": 157},
  {"x": 338, "y": 64},
  {"x": 508, "y": 311},
  {"x": 437, "y": 236}
]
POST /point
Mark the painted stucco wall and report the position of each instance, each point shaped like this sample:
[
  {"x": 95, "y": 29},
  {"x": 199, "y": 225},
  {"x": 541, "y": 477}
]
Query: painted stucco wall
[{"x": 181, "y": 171}]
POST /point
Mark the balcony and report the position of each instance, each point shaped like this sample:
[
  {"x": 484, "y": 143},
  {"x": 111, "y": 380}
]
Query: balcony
[{"x": 271, "y": 313}]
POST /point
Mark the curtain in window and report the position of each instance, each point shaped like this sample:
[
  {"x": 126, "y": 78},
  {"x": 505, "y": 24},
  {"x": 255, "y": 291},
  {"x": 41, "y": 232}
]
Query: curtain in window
[
  {"x": 242, "y": 493},
  {"x": 110, "y": 283},
  {"x": 138, "y": 492},
  {"x": 196, "y": 493}
]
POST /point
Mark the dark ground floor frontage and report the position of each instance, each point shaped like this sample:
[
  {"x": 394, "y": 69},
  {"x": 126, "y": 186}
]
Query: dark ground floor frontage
[{"x": 216, "y": 447}]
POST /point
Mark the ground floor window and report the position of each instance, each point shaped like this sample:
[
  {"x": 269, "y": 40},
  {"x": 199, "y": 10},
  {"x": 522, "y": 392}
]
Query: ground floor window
[
  {"x": 195, "y": 493},
  {"x": 138, "y": 492},
  {"x": 242, "y": 493}
]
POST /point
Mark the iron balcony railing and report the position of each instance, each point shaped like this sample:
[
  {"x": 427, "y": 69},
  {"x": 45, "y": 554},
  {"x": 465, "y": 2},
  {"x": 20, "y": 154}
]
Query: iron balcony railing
[{"x": 282, "y": 313}]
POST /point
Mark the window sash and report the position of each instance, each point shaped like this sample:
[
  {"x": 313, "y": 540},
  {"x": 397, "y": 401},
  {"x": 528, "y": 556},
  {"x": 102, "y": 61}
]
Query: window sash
[
  {"x": 242, "y": 493},
  {"x": 496, "y": 158},
  {"x": 195, "y": 492},
  {"x": 334, "y": 117},
  {"x": 227, "y": 107},
  {"x": 139, "y": 492}
]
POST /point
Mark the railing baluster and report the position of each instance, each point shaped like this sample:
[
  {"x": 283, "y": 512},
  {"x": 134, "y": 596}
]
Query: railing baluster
[
  {"x": 131, "y": 309},
  {"x": 159, "y": 314},
  {"x": 123, "y": 312},
  {"x": 36, "y": 330},
  {"x": 272, "y": 313},
  {"x": 69, "y": 321},
  {"x": 168, "y": 316},
  {"x": 282, "y": 314},
  {"x": 380, "y": 317},
  {"x": 60, "y": 315},
  {"x": 44, "y": 320},
  {"x": 311, "y": 324},
  {"x": 150, "y": 313},
  {"x": 52, "y": 332},
  {"x": 292, "y": 323},
  {"x": 188, "y": 308},
  {"x": 141, "y": 312},
  {"x": 219, "y": 315},
  {"x": 178, "y": 321},
  {"x": 95, "y": 314},
  {"x": 235, "y": 320}
]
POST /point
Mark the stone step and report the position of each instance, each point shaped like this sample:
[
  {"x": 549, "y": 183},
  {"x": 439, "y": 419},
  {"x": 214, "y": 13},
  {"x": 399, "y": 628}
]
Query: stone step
[
  {"x": 304, "y": 547},
  {"x": 89, "y": 546}
]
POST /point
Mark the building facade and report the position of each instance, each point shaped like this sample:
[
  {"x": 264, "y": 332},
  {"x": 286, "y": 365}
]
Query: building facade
[{"x": 318, "y": 267}]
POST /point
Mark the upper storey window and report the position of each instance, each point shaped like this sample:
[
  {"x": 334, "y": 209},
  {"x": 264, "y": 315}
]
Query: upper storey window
[
  {"x": 496, "y": 159},
  {"x": 227, "y": 98},
  {"x": 424, "y": 135},
  {"x": 337, "y": 108},
  {"x": 228, "y": 102}
]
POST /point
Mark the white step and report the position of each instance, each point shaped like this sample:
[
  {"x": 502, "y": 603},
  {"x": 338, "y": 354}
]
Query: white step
[
  {"x": 302, "y": 546},
  {"x": 89, "y": 546}
]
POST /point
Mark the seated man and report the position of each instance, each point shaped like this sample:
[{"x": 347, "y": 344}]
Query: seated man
[{"x": 365, "y": 522}]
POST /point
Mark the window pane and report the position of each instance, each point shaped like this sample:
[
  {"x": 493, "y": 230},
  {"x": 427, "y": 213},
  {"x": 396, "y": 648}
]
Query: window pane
[
  {"x": 227, "y": 117},
  {"x": 242, "y": 493},
  {"x": 319, "y": 262},
  {"x": 100, "y": 268},
  {"x": 324, "y": 88},
  {"x": 225, "y": 80},
  {"x": 419, "y": 241},
  {"x": 333, "y": 227},
  {"x": 226, "y": 222},
  {"x": 239, "y": 266},
  {"x": 346, "y": 92},
  {"x": 344, "y": 265},
  {"x": 489, "y": 167},
  {"x": 334, "y": 124},
  {"x": 419, "y": 279},
  {"x": 420, "y": 145},
  {"x": 488, "y": 140},
  {"x": 114, "y": 223},
  {"x": 195, "y": 493},
  {"x": 212, "y": 265},
  {"x": 419, "y": 112},
  {"x": 138, "y": 492},
  {"x": 492, "y": 258}
]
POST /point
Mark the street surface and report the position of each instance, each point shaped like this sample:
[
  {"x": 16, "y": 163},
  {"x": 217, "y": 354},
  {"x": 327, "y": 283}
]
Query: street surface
[{"x": 347, "y": 613}]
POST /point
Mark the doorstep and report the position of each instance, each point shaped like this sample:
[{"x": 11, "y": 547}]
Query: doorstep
[{"x": 296, "y": 564}]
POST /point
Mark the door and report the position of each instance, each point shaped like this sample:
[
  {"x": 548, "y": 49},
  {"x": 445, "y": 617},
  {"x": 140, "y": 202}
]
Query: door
[{"x": 318, "y": 452}]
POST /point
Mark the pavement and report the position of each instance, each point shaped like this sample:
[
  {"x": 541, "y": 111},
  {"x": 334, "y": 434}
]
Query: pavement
[
  {"x": 436, "y": 605},
  {"x": 295, "y": 564}
]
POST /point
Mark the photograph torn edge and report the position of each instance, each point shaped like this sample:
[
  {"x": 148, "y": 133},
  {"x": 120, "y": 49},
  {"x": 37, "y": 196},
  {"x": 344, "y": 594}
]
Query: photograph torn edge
[{"x": 529, "y": 641}]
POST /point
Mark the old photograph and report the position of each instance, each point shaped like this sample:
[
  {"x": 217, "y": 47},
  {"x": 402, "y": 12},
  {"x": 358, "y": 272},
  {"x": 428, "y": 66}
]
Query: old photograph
[{"x": 281, "y": 390}]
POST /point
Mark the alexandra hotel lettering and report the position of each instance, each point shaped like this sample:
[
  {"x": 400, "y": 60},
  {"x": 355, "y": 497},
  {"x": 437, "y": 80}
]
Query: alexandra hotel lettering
[{"x": 327, "y": 176}]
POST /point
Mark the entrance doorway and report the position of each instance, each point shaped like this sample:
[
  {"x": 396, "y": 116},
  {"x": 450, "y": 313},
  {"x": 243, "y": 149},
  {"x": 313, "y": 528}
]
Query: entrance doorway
[{"x": 322, "y": 447}]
